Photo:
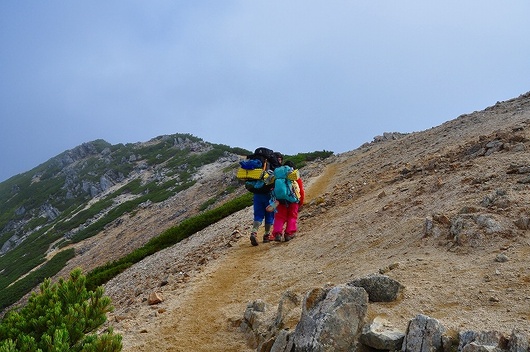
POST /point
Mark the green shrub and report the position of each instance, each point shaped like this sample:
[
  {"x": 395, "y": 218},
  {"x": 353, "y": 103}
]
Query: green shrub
[
  {"x": 301, "y": 159},
  {"x": 63, "y": 316},
  {"x": 206, "y": 204}
]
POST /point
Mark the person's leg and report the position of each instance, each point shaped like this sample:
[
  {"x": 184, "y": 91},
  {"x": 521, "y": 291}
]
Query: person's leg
[
  {"x": 292, "y": 219},
  {"x": 260, "y": 201},
  {"x": 279, "y": 221},
  {"x": 269, "y": 220},
  {"x": 254, "y": 233}
]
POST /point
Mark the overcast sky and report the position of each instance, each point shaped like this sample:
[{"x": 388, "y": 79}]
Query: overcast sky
[{"x": 294, "y": 76}]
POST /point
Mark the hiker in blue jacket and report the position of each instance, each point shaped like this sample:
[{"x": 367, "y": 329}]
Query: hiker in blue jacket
[{"x": 261, "y": 199}]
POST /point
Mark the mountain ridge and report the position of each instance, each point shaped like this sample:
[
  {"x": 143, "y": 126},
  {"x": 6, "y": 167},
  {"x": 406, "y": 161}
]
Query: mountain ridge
[{"x": 82, "y": 191}]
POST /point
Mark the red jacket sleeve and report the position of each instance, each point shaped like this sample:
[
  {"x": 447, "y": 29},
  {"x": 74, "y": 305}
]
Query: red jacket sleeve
[{"x": 302, "y": 191}]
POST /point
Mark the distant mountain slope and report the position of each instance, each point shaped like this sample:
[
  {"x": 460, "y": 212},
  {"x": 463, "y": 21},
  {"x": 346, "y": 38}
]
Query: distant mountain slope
[{"x": 76, "y": 195}]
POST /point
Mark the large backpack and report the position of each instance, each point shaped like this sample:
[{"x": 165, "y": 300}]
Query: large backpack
[
  {"x": 266, "y": 155},
  {"x": 257, "y": 169},
  {"x": 285, "y": 189}
]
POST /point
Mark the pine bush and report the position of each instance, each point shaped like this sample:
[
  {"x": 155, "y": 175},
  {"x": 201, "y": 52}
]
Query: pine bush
[{"x": 64, "y": 316}]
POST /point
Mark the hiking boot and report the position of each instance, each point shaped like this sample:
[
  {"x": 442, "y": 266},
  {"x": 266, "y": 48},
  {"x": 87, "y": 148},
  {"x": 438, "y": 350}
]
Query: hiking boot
[
  {"x": 253, "y": 239},
  {"x": 288, "y": 237},
  {"x": 278, "y": 238},
  {"x": 266, "y": 238}
]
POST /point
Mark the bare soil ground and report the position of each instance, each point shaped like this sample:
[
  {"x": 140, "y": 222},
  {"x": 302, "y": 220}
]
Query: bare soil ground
[{"x": 433, "y": 209}]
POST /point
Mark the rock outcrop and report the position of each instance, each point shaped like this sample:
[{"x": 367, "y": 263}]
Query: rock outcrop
[{"x": 334, "y": 319}]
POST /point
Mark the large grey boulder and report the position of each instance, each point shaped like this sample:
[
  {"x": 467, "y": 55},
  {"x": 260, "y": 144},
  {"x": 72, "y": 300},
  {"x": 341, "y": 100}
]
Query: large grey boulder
[
  {"x": 331, "y": 319},
  {"x": 424, "y": 334},
  {"x": 256, "y": 322}
]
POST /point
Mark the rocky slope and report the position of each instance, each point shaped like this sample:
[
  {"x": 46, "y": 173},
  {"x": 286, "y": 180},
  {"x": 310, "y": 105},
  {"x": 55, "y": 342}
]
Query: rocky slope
[{"x": 444, "y": 211}]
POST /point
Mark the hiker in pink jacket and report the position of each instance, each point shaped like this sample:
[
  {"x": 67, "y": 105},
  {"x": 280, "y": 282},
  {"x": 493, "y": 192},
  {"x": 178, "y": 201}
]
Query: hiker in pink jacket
[{"x": 287, "y": 214}]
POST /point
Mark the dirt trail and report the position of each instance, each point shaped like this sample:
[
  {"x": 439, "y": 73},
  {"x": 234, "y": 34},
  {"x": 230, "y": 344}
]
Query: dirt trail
[
  {"x": 207, "y": 317},
  {"x": 318, "y": 185}
]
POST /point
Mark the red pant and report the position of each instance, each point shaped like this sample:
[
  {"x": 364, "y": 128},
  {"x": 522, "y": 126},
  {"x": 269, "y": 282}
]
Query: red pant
[{"x": 286, "y": 215}]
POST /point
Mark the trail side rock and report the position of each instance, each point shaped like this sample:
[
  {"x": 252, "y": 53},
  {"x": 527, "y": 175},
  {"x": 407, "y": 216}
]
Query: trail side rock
[
  {"x": 482, "y": 341},
  {"x": 331, "y": 319},
  {"x": 424, "y": 334},
  {"x": 257, "y": 322},
  {"x": 381, "y": 335},
  {"x": 380, "y": 288},
  {"x": 518, "y": 341}
]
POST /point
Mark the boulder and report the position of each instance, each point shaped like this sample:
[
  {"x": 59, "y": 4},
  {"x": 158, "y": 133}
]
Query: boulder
[
  {"x": 482, "y": 341},
  {"x": 424, "y": 334},
  {"x": 380, "y": 288},
  {"x": 331, "y": 319},
  {"x": 381, "y": 335}
]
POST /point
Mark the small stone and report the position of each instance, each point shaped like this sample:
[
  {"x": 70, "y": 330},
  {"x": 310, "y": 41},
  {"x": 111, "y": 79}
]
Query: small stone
[
  {"x": 501, "y": 258},
  {"x": 155, "y": 298}
]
